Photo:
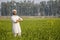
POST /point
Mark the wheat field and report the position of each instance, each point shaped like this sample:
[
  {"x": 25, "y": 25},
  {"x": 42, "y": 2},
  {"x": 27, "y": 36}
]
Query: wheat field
[{"x": 32, "y": 29}]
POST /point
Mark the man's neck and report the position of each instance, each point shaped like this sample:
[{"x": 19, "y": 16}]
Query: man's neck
[{"x": 14, "y": 15}]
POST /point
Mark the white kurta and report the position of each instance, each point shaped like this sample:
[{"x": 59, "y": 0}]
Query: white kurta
[{"x": 16, "y": 26}]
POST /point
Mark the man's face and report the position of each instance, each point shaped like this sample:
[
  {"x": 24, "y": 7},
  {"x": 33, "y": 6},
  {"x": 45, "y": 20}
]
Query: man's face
[{"x": 14, "y": 12}]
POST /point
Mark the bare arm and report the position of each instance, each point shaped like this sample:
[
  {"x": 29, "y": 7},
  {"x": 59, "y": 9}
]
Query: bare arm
[
  {"x": 20, "y": 19},
  {"x": 17, "y": 21}
]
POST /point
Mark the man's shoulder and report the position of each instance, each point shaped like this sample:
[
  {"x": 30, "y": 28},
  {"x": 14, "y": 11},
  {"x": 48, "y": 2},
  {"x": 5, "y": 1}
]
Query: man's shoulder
[
  {"x": 12, "y": 16},
  {"x": 17, "y": 16}
]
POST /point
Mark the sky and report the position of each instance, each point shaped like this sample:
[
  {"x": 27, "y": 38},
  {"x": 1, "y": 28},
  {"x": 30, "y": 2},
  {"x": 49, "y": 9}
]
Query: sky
[{"x": 36, "y": 1}]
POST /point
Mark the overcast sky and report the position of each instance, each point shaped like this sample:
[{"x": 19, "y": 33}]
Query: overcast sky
[{"x": 36, "y": 1}]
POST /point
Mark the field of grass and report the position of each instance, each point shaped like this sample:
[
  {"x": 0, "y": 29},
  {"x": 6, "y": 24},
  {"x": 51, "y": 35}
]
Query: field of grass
[{"x": 32, "y": 29}]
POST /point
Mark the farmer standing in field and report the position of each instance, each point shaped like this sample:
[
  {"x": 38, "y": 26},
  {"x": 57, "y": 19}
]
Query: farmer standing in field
[{"x": 16, "y": 26}]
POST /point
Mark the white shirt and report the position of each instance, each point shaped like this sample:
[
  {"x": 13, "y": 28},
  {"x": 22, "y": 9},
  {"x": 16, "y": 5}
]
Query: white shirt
[{"x": 16, "y": 26}]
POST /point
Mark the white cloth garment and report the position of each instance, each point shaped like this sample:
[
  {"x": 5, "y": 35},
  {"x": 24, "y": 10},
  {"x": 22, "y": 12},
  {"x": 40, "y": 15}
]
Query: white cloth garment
[{"x": 16, "y": 26}]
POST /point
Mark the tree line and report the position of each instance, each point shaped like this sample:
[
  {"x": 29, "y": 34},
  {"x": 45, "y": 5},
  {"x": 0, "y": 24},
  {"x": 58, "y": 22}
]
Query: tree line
[{"x": 50, "y": 8}]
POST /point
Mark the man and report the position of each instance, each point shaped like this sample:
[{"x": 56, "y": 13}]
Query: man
[{"x": 16, "y": 26}]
